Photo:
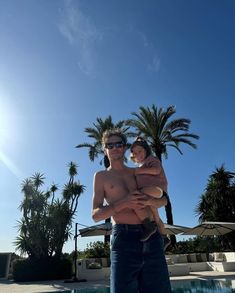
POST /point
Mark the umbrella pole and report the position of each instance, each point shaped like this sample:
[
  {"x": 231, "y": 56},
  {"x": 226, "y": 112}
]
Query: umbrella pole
[
  {"x": 75, "y": 278},
  {"x": 76, "y": 252}
]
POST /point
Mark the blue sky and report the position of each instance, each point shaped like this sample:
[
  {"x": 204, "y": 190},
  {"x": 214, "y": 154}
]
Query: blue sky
[{"x": 65, "y": 63}]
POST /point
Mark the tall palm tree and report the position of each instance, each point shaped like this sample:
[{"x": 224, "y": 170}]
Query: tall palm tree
[
  {"x": 95, "y": 148},
  {"x": 160, "y": 131},
  {"x": 96, "y": 133}
]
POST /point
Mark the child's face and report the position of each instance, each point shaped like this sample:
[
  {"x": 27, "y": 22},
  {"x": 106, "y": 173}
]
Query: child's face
[{"x": 139, "y": 153}]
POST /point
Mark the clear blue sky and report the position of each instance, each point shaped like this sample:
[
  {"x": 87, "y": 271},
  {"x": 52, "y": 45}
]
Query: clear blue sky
[{"x": 65, "y": 63}]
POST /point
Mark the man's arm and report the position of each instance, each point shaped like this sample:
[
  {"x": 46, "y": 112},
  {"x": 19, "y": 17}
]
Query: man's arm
[{"x": 99, "y": 211}]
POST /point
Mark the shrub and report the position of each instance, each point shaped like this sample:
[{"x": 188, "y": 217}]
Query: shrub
[
  {"x": 97, "y": 249},
  {"x": 43, "y": 269}
]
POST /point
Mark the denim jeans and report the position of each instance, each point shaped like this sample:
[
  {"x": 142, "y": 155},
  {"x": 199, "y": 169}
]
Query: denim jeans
[{"x": 136, "y": 266}]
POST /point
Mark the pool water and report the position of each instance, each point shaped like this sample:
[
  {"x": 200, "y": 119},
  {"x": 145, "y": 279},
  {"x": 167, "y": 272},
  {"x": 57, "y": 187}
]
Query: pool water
[
  {"x": 97, "y": 290},
  {"x": 186, "y": 286},
  {"x": 203, "y": 286}
]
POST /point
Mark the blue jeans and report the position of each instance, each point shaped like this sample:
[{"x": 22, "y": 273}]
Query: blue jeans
[{"x": 136, "y": 266}]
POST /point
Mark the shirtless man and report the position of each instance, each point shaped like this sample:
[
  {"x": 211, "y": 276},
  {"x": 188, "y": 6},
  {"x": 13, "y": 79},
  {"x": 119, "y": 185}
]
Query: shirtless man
[{"x": 136, "y": 266}]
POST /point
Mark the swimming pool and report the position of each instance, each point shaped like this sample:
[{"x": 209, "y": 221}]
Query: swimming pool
[
  {"x": 204, "y": 286},
  {"x": 186, "y": 286}
]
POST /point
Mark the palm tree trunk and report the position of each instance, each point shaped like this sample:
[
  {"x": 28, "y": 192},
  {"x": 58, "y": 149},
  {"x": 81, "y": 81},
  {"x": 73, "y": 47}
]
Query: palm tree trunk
[
  {"x": 169, "y": 218},
  {"x": 107, "y": 237}
]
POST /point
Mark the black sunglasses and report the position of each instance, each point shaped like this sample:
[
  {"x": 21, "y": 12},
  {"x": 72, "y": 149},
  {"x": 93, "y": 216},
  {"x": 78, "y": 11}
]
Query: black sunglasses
[{"x": 111, "y": 145}]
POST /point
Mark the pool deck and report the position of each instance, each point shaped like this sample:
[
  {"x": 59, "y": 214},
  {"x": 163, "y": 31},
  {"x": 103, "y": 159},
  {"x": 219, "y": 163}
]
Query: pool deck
[{"x": 7, "y": 286}]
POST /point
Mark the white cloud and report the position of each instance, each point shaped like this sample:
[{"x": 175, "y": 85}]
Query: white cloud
[
  {"x": 144, "y": 39},
  {"x": 80, "y": 31},
  {"x": 154, "y": 59},
  {"x": 155, "y": 66}
]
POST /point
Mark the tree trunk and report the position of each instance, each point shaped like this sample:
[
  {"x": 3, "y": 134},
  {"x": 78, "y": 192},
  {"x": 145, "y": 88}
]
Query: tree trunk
[
  {"x": 169, "y": 218},
  {"x": 107, "y": 237}
]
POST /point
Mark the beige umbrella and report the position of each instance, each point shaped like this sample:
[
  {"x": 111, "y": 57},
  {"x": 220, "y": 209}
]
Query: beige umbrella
[
  {"x": 106, "y": 229},
  {"x": 211, "y": 228},
  {"x": 96, "y": 230},
  {"x": 175, "y": 229}
]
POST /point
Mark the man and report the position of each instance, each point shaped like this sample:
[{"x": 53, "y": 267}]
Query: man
[{"x": 136, "y": 266}]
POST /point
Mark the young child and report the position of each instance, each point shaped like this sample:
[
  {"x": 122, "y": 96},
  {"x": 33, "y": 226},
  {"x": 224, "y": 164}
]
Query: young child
[{"x": 151, "y": 180}]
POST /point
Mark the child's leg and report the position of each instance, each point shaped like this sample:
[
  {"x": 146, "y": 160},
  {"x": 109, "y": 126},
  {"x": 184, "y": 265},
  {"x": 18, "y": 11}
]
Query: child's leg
[
  {"x": 161, "y": 228},
  {"x": 153, "y": 191},
  {"x": 158, "y": 220},
  {"x": 149, "y": 226}
]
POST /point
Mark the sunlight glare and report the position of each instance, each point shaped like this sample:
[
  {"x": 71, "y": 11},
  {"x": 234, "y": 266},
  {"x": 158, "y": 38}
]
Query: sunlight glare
[
  {"x": 10, "y": 165},
  {"x": 8, "y": 132},
  {"x": 7, "y": 120}
]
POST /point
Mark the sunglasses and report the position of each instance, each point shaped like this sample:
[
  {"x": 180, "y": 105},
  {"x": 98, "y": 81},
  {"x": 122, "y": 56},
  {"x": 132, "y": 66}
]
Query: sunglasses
[{"x": 111, "y": 145}]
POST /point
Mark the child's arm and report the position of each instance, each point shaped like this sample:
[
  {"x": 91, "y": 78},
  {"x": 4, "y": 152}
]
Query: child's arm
[
  {"x": 148, "y": 171},
  {"x": 153, "y": 167},
  {"x": 153, "y": 191}
]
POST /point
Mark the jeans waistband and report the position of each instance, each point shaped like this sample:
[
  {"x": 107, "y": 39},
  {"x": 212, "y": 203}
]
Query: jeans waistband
[{"x": 127, "y": 227}]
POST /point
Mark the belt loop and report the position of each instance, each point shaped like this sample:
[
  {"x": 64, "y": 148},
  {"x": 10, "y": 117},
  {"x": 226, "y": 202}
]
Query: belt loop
[{"x": 126, "y": 227}]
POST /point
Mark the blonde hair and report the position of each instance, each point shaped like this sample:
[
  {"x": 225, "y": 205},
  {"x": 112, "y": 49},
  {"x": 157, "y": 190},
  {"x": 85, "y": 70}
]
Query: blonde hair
[{"x": 114, "y": 132}]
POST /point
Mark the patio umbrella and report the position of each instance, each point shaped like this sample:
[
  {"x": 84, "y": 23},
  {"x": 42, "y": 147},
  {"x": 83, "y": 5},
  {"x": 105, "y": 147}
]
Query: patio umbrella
[
  {"x": 211, "y": 228},
  {"x": 96, "y": 230},
  {"x": 106, "y": 229},
  {"x": 175, "y": 229}
]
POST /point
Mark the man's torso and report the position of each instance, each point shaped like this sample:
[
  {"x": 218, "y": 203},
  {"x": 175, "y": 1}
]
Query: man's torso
[{"x": 118, "y": 184}]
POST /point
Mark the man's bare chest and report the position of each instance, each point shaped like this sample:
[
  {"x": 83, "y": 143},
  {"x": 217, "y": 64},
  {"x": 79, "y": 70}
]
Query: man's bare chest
[{"x": 120, "y": 182}]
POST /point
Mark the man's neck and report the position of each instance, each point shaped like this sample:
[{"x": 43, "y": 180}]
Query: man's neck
[{"x": 117, "y": 165}]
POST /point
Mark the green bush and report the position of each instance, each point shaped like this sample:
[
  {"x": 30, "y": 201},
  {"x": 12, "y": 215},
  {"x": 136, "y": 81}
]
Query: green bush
[
  {"x": 44, "y": 269},
  {"x": 97, "y": 249}
]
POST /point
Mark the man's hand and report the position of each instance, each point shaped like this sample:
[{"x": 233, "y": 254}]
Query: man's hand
[
  {"x": 145, "y": 201},
  {"x": 134, "y": 200}
]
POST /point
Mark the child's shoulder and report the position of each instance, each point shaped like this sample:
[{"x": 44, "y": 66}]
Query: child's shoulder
[
  {"x": 152, "y": 161},
  {"x": 151, "y": 158}
]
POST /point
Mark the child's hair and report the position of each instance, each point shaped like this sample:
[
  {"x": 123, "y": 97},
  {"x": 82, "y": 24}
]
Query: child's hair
[{"x": 139, "y": 141}]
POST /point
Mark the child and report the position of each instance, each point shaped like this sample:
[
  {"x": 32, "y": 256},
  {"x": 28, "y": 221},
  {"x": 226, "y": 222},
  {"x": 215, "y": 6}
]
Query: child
[{"x": 151, "y": 180}]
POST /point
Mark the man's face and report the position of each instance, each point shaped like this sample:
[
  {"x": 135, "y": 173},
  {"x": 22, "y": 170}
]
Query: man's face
[{"x": 114, "y": 148}]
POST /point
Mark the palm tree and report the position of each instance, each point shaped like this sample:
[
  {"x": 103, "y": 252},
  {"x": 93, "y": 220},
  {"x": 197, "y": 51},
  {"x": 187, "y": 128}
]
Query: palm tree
[
  {"x": 156, "y": 126},
  {"x": 217, "y": 203},
  {"x": 46, "y": 224},
  {"x": 96, "y": 133},
  {"x": 95, "y": 148},
  {"x": 53, "y": 189},
  {"x": 38, "y": 179}
]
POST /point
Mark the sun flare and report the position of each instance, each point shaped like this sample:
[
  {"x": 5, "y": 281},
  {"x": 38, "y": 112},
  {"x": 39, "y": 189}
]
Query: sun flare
[
  {"x": 8, "y": 122},
  {"x": 8, "y": 137},
  {"x": 10, "y": 165}
]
